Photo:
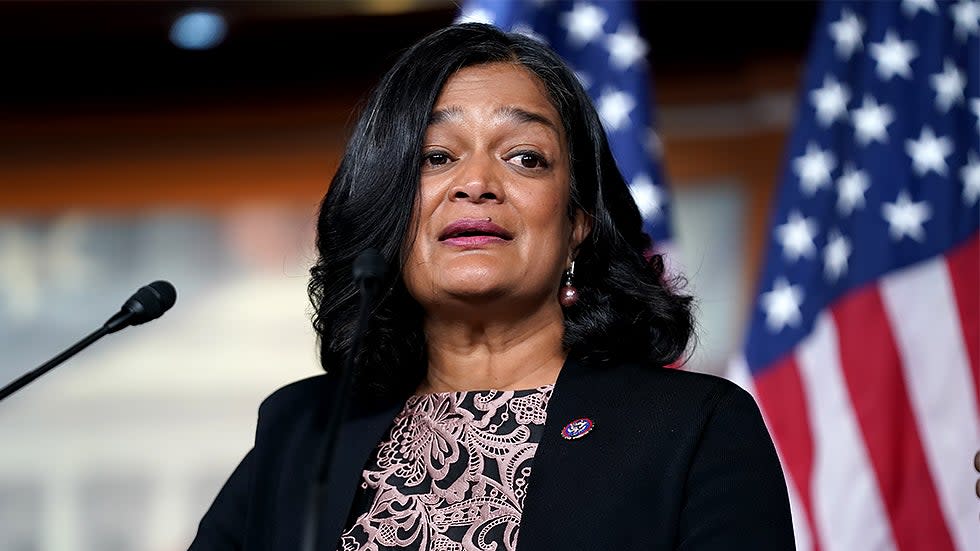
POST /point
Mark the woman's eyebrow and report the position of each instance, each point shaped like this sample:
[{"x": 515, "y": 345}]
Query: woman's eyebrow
[
  {"x": 445, "y": 115},
  {"x": 524, "y": 116}
]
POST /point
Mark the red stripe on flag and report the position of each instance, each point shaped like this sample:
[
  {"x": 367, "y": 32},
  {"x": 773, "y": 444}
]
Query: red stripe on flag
[
  {"x": 964, "y": 272},
  {"x": 870, "y": 362},
  {"x": 779, "y": 391}
]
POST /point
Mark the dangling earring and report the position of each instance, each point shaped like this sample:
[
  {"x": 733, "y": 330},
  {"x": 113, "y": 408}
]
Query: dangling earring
[{"x": 568, "y": 295}]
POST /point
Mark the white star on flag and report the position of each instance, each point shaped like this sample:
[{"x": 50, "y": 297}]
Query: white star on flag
[
  {"x": 949, "y": 85},
  {"x": 929, "y": 152},
  {"x": 847, "y": 33},
  {"x": 649, "y": 198},
  {"x": 584, "y": 23},
  {"x": 814, "y": 167},
  {"x": 871, "y": 121},
  {"x": 830, "y": 101},
  {"x": 782, "y": 305},
  {"x": 970, "y": 173},
  {"x": 614, "y": 108},
  {"x": 850, "y": 190},
  {"x": 894, "y": 56},
  {"x": 966, "y": 15},
  {"x": 625, "y": 47},
  {"x": 912, "y": 7},
  {"x": 835, "y": 255},
  {"x": 906, "y": 217},
  {"x": 796, "y": 236}
]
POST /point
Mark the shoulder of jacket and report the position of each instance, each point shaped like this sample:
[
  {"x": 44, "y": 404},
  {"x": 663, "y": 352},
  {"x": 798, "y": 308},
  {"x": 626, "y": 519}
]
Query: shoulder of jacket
[
  {"x": 679, "y": 387},
  {"x": 677, "y": 380},
  {"x": 295, "y": 397}
]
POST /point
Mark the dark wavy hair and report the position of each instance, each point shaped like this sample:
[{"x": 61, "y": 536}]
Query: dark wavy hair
[{"x": 627, "y": 312}]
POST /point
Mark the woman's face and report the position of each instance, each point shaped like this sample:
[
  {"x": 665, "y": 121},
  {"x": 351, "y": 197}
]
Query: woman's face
[{"x": 494, "y": 149}]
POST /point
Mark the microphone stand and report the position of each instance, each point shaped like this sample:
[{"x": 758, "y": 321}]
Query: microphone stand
[
  {"x": 337, "y": 413},
  {"x": 114, "y": 324},
  {"x": 29, "y": 377}
]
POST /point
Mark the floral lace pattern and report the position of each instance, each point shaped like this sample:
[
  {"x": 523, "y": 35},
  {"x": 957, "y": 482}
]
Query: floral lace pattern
[{"x": 452, "y": 473}]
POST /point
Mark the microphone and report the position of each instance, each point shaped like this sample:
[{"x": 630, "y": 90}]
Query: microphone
[
  {"x": 369, "y": 270},
  {"x": 146, "y": 304}
]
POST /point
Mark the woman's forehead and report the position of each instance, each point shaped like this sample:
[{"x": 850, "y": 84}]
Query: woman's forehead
[
  {"x": 497, "y": 92},
  {"x": 495, "y": 87}
]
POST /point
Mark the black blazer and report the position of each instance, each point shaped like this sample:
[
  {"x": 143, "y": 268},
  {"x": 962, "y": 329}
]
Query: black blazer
[{"x": 675, "y": 460}]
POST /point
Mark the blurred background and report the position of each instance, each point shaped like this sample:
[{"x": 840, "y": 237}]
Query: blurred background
[{"x": 192, "y": 141}]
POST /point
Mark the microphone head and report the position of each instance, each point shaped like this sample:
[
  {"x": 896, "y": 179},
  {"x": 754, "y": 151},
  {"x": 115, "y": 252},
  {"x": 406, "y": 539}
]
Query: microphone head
[
  {"x": 150, "y": 302},
  {"x": 369, "y": 265}
]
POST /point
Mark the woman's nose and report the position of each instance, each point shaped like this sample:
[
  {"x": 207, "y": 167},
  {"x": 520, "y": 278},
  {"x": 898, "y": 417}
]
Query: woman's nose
[{"x": 477, "y": 184}]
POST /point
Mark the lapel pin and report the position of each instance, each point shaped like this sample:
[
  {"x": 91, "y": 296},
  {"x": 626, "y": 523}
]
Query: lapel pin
[{"x": 577, "y": 428}]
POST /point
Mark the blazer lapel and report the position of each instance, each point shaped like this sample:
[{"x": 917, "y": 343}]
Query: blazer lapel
[
  {"x": 567, "y": 475},
  {"x": 357, "y": 439},
  {"x": 358, "y": 436}
]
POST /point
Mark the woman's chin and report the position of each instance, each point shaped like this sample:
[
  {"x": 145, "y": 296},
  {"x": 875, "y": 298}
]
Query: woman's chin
[
  {"x": 475, "y": 281},
  {"x": 481, "y": 291}
]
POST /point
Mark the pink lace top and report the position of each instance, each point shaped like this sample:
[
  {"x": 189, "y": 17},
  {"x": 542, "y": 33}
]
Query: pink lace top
[{"x": 451, "y": 474}]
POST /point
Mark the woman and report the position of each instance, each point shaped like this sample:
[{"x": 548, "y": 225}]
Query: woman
[{"x": 522, "y": 329}]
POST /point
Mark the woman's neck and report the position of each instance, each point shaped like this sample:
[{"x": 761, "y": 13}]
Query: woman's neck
[{"x": 505, "y": 355}]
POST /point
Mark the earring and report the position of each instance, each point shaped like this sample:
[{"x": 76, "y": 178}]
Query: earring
[{"x": 568, "y": 295}]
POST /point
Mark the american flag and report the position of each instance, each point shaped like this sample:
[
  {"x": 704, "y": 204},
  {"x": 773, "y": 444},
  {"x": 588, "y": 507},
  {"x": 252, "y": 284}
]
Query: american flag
[
  {"x": 601, "y": 42},
  {"x": 865, "y": 336}
]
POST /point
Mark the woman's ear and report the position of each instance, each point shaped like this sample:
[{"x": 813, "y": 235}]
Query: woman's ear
[{"x": 581, "y": 228}]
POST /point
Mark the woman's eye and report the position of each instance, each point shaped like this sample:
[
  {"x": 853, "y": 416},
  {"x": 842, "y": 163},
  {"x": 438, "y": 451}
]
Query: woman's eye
[
  {"x": 435, "y": 159},
  {"x": 528, "y": 159}
]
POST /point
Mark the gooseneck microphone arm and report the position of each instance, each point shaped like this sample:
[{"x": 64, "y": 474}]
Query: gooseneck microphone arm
[
  {"x": 369, "y": 269},
  {"x": 148, "y": 303},
  {"x": 30, "y": 376}
]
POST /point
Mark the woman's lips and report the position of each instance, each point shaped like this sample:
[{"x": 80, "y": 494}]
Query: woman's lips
[
  {"x": 471, "y": 233},
  {"x": 473, "y": 241}
]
